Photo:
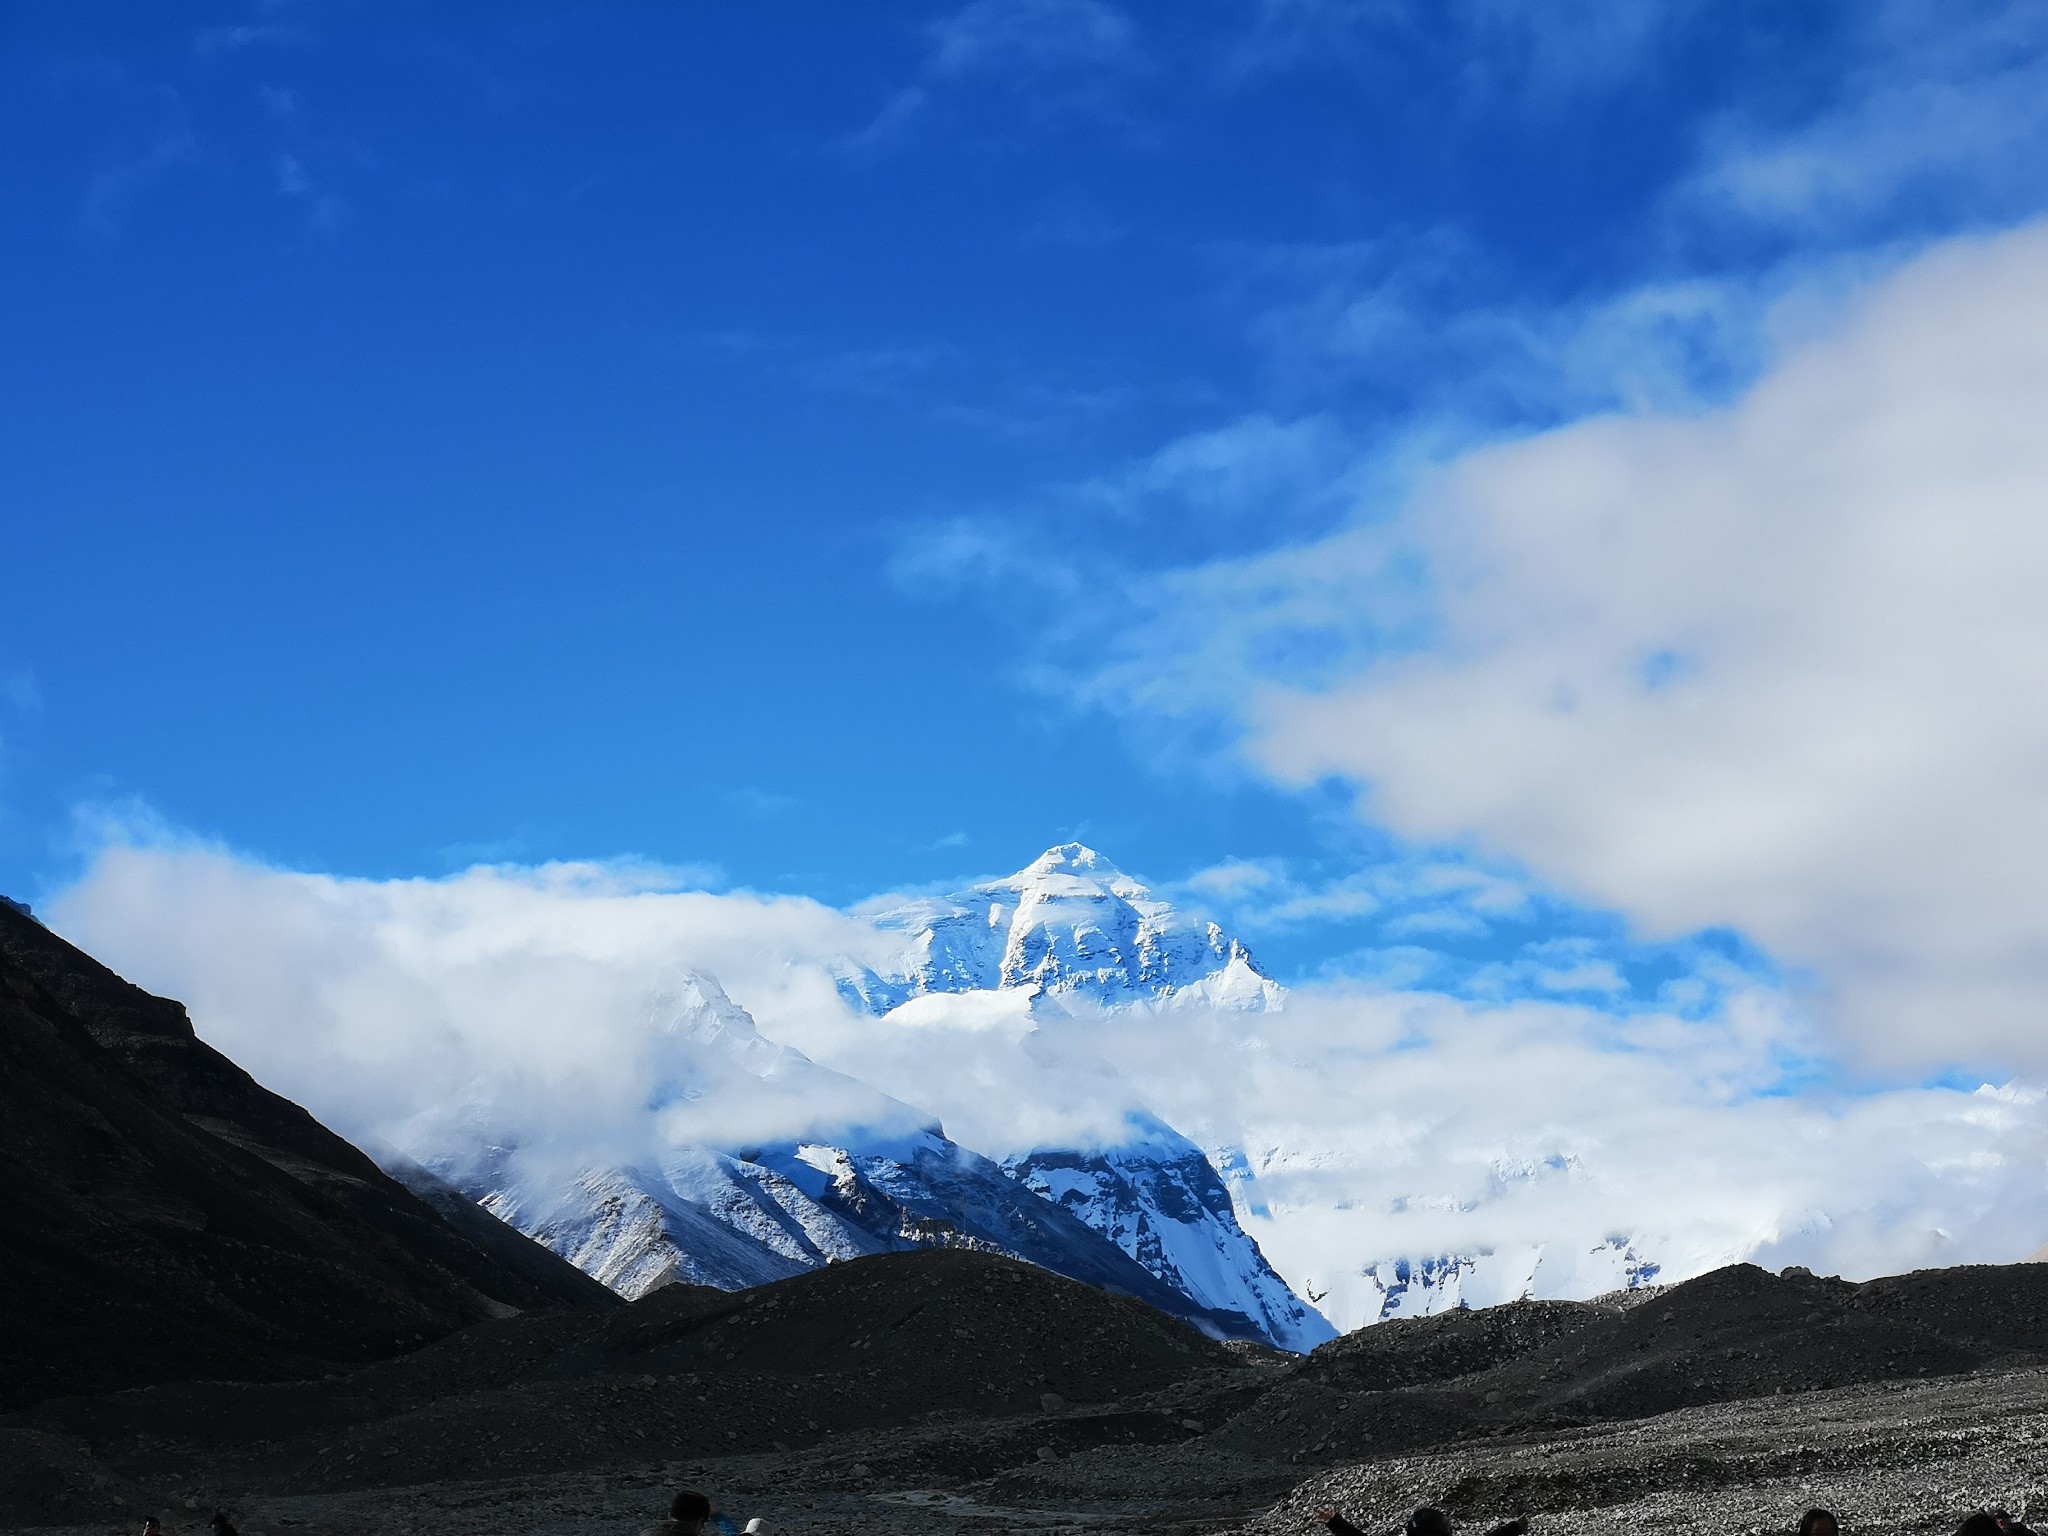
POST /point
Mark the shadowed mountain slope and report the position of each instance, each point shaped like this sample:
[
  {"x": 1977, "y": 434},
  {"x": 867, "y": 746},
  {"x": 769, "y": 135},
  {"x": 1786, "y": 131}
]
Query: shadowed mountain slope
[
  {"x": 164, "y": 1216},
  {"x": 871, "y": 1344}
]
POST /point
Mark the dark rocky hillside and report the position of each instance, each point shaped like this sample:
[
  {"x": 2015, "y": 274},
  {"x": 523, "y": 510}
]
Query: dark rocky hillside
[
  {"x": 871, "y": 1344},
  {"x": 950, "y": 1390},
  {"x": 163, "y": 1216},
  {"x": 1737, "y": 1333}
]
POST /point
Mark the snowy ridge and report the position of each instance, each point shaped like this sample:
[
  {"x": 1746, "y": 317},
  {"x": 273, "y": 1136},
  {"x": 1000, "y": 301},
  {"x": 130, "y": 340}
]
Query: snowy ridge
[{"x": 1159, "y": 1200}]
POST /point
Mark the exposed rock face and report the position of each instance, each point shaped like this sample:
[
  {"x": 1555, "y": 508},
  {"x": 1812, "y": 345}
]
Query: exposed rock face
[{"x": 165, "y": 1216}]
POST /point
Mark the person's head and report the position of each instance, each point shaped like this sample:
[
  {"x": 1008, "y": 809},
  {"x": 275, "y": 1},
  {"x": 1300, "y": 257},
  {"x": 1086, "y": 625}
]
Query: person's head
[
  {"x": 1980, "y": 1524},
  {"x": 690, "y": 1510},
  {"x": 149, "y": 1526},
  {"x": 1818, "y": 1522},
  {"x": 1429, "y": 1521}
]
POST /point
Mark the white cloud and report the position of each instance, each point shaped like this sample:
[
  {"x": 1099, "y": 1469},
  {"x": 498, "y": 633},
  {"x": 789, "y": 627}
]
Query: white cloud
[
  {"x": 1376, "y": 1124},
  {"x": 1379, "y": 1123},
  {"x": 502, "y": 1001},
  {"x": 1774, "y": 666},
  {"x": 1431, "y": 320}
]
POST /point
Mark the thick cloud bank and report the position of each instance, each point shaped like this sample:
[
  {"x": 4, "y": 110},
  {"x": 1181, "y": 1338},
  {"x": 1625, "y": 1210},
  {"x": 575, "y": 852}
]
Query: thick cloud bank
[
  {"x": 1781, "y": 666},
  {"x": 1360, "y": 1125},
  {"x": 551, "y": 1006}
]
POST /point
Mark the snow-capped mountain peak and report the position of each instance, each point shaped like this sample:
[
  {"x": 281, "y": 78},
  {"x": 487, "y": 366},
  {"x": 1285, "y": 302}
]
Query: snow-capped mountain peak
[
  {"x": 1070, "y": 925},
  {"x": 1067, "y": 934},
  {"x": 1072, "y": 869}
]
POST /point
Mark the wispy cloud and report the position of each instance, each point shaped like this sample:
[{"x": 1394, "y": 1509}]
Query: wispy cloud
[
  {"x": 1540, "y": 53},
  {"x": 1006, "y": 37},
  {"x": 897, "y": 371},
  {"x": 1051, "y": 59},
  {"x": 1938, "y": 121},
  {"x": 1424, "y": 328},
  {"x": 19, "y": 691},
  {"x": 945, "y": 382},
  {"x": 325, "y": 212},
  {"x": 172, "y": 150},
  {"x": 1416, "y": 919},
  {"x": 214, "y": 41}
]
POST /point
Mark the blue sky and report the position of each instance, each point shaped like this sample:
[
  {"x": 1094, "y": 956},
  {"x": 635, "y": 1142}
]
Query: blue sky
[{"x": 805, "y": 441}]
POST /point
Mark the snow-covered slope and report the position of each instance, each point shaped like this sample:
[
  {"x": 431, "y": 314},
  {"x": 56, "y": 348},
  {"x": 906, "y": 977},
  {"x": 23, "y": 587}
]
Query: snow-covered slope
[
  {"x": 700, "y": 1216},
  {"x": 1159, "y": 1200},
  {"x": 924, "y": 1191},
  {"x": 1070, "y": 924},
  {"x": 712, "y": 1218},
  {"x": 871, "y": 1176}
]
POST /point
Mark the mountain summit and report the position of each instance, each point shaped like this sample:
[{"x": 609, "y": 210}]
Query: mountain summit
[
  {"x": 771, "y": 1163},
  {"x": 1070, "y": 925},
  {"x": 1071, "y": 931}
]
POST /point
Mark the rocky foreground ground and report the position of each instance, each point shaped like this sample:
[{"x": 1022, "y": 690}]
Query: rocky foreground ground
[
  {"x": 962, "y": 1392},
  {"x": 1893, "y": 1458}
]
